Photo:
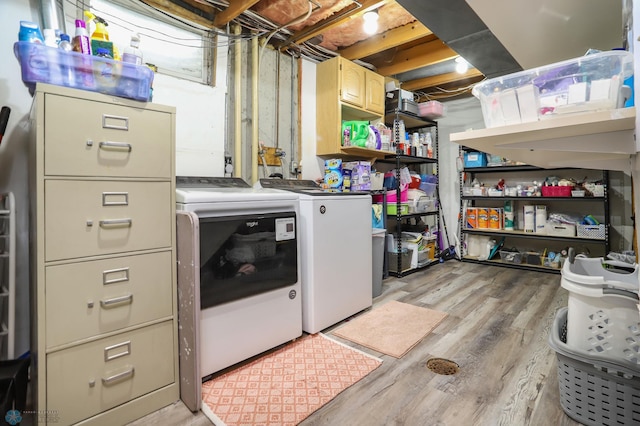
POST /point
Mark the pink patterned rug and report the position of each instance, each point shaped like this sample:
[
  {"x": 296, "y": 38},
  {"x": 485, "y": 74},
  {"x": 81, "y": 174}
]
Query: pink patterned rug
[{"x": 287, "y": 385}]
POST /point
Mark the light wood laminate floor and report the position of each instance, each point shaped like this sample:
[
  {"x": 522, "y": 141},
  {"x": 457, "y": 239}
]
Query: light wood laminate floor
[{"x": 496, "y": 331}]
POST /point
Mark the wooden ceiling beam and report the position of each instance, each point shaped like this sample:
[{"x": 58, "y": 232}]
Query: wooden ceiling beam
[
  {"x": 439, "y": 80},
  {"x": 387, "y": 40},
  {"x": 335, "y": 20},
  {"x": 203, "y": 16},
  {"x": 234, "y": 10},
  {"x": 419, "y": 56}
]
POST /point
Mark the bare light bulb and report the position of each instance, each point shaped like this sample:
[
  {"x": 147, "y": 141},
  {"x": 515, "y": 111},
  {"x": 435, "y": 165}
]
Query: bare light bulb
[
  {"x": 462, "y": 66},
  {"x": 370, "y": 22}
]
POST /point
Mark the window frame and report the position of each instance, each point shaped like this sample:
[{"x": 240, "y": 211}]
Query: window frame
[{"x": 209, "y": 39}]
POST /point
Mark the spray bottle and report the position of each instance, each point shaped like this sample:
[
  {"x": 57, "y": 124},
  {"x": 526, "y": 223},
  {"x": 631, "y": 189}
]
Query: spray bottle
[{"x": 100, "y": 35}]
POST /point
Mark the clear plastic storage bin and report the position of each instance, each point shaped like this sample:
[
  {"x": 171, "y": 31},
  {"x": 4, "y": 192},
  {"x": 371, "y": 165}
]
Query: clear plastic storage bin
[
  {"x": 603, "y": 315},
  {"x": 44, "y": 64},
  {"x": 587, "y": 83}
]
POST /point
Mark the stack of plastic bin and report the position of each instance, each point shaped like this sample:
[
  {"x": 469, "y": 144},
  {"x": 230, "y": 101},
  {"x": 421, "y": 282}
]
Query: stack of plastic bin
[{"x": 597, "y": 342}]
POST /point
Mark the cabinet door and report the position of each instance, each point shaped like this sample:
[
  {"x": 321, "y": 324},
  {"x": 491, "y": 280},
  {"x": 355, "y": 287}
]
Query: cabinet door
[
  {"x": 375, "y": 92},
  {"x": 352, "y": 83}
]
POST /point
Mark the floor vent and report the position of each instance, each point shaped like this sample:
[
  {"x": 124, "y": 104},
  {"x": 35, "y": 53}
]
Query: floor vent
[{"x": 442, "y": 366}]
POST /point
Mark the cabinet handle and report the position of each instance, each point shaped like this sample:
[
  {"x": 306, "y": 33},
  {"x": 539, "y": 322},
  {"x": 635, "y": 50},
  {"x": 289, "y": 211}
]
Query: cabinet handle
[
  {"x": 117, "y": 202},
  {"x": 127, "y": 350},
  {"x": 116, "y": 301},
  {"x": 107, "y": 118},
  {"x": 116, "y": 145},
  {"x": 115, "y": 222},
  {"x": 125, "y": 277},
  {"x": 117, "y": 377}
]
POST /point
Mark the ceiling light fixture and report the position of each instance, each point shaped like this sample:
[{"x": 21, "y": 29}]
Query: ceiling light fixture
[
  {"x": 462, "y": 65},
  {"x": 370, "y": 22}
]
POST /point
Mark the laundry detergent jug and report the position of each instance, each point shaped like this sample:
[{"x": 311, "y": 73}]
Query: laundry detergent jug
[{"x": 358, "y": 132}]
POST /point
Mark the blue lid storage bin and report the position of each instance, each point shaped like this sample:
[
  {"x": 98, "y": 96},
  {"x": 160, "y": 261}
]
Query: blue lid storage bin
[
  {"x": 475, "y": 159},
  {"x": 44, "y": 64}
]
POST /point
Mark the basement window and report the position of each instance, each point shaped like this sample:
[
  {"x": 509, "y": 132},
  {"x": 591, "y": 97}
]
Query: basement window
[{"x": 175, "y": 48}]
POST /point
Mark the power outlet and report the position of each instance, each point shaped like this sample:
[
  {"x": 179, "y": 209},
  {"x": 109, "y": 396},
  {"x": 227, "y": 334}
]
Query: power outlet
[{"x": 293, "y": 168}]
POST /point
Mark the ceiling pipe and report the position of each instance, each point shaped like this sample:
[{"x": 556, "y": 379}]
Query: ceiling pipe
[
  {"x": 52, "y": 11},
  {"x": 237, "y": 102},
  {"x": 255, "y": 121}
]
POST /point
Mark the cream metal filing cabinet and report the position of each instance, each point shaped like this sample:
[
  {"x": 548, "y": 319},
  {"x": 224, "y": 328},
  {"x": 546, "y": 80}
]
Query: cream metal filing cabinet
[{"x": 104, "y": 299}]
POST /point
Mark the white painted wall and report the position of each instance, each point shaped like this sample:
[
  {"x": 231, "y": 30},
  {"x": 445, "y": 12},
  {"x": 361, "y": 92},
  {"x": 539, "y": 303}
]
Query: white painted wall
[
  {"x": 200, "y": 132},
  {"x": 461, "y": 115}
]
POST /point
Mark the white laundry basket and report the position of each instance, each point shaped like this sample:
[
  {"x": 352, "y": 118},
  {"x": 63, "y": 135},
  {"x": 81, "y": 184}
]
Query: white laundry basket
[{"x": 603, "y": 315}]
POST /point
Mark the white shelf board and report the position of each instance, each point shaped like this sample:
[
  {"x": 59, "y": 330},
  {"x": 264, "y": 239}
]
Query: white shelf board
[{"x": 600, "y": 139}]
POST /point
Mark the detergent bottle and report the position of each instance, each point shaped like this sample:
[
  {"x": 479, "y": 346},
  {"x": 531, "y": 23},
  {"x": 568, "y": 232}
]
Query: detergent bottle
[
  {"x": 100, "y": 35},
  {"x": 132, "y": 53}
]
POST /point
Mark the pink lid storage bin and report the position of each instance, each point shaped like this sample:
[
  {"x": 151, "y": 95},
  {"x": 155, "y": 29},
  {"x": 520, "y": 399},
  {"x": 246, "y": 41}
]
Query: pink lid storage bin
[{"x": 431, "y": 110}]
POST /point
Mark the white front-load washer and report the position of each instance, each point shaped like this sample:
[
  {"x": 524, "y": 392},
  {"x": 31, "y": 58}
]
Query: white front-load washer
[{"x": 238, "y": 274}]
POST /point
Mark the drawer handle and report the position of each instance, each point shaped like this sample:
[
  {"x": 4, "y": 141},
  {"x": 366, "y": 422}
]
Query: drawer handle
[
  {"x": 116, "y": 222},
  {"x": 127, "y": 350},
  {"x": 117, "y": 377},
  {"x": 117, "y": 198},
  {"x": 116, "y": 145},
  {"x": 109, "y": 303},
  {"x": 124, "y": 277},
  {"x": 107, "y": 117}
]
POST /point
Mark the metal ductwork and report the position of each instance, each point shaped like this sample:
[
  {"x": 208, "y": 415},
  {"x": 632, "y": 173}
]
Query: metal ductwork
[
  {"x": 53, "y": 14},
  {"x": 458, "y": 26}
]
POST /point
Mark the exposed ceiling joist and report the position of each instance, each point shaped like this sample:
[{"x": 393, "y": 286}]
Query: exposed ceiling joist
[
  {"x": 432, "y": 52},
  {"x": 386, "y": 40},
  {"x": 439, "y": 80},
  {"x": 235, "y": 9},
  {"x": 202, "y": 15},
  {"x": 333, "y": 21}
]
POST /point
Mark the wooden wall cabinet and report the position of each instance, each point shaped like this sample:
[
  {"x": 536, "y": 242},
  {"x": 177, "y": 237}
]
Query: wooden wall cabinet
[
  {"x": 346, "y": 91},
  {"x": 103, "y": 258}
]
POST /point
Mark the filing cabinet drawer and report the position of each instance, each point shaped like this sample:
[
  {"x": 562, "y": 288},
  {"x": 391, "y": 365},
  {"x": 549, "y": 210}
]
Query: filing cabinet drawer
[
  {"x": 86, "y": 299},
  {"x": 91, "y": 378},
  {"x": 102, "y": 139},
  {"x": 85, "y": 218}
]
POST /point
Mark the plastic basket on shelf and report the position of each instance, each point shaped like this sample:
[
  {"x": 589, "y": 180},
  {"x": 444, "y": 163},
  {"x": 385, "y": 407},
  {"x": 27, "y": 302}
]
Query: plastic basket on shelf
[
  {"x": 594, "y": 389},
  {"x": 44, "y": 64},
  {"x": 603, "y": 316},
  {"x": 591, "y": 231},
  {"x": 556, "y": 191}
]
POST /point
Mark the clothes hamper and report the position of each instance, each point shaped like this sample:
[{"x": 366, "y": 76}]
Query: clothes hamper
[
  {"x": 594, "y": 390},
  {"x": 602, "y": 313}
]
